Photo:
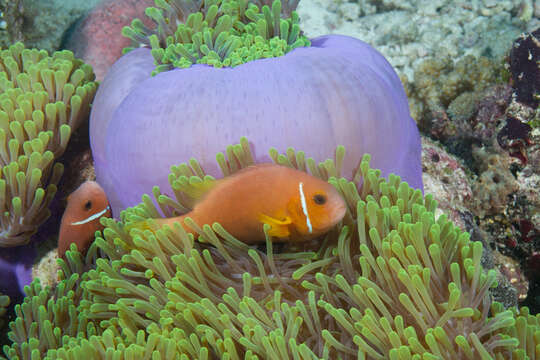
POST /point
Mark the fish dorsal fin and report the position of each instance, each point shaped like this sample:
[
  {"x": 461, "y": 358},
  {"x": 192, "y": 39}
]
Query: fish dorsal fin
[{"x": 195, "y": 187}]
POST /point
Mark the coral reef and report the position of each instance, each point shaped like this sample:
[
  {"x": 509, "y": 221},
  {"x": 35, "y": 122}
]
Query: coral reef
[
  {"x": 44, "y": 98},
  {"x": 506, "y": 189},
  {"x": 514, "y": 138},
  {"x": 446, "y": 178},
  {"x": 505, "y": 195},
  {"x": 495, "y": 183},
  {"x": 521, "y": 221},
  {"x": 491, "y": 131},
  {"x": 441, "y": 84},
  {"x": 512, "y": 284},
  {"x": 525, "y": 68},
  {"x": 458, "y": 41},
  {"x": 358, "y": 293},
  {"x": 523, "y": 113},
  {"x": 408, "y": 32},
  {"x": 507, "y": 203}
]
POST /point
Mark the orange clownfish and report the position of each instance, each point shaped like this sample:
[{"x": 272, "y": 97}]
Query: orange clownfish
[
  {"x": 85, "y": 206},
  {"x": 296, "y": 205}
]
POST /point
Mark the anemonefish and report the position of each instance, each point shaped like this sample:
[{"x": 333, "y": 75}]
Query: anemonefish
[
  {"x": 85, "y": 206},
  {"x": 296, "y": 205}
]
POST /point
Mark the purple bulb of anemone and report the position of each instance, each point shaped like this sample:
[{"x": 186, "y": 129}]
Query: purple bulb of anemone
[
  {"x": 338, "y": 91},
  {"x": 16, "y": 270}
]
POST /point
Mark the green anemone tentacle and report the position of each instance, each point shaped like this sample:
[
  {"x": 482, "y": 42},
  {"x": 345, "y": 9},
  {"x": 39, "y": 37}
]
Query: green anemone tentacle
[
  {"x": 217, "y": 32},
  {"x": 43, "y": 99},
  {"x": 392, "y": 281}
]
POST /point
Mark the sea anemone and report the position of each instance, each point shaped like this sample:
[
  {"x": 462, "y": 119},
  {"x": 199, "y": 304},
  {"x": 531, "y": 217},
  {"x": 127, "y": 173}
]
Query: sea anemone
[
  {"x": 390, "y": 282},
  {"x": 240, "y": 68},
  {"x": 43, "y": 100},
  {"x": 4, "y": 303}
]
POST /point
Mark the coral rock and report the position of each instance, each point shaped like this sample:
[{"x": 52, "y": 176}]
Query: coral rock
[
  {"x": 525, "y": 68},
  {"x": 495, "y": 183},
  {"x": 97, "y": 39},
  {"x": 445, "y": 177}
]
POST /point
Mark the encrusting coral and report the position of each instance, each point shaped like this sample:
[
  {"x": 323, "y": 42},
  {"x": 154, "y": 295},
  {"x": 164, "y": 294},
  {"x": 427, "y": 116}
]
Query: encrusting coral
[
  {"x": 440, "y": 82},
  {"x": 495, "y": 183},
  {"x": 43, "y": 100},
  {"x": 390, "y": 282}
]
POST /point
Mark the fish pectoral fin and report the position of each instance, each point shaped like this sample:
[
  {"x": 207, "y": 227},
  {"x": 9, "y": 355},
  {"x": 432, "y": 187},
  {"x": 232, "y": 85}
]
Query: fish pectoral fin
[{"x": 278, "y": 227}]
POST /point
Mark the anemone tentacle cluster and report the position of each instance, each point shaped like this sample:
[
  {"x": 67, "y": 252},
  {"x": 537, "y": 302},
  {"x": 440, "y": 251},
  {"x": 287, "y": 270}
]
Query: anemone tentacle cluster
[
  {"x": 42, "y": 100},
  {"x": 390, "y": 282},
  {"x": 4, "y": 303},
  {"x": 217, "y": 32}
]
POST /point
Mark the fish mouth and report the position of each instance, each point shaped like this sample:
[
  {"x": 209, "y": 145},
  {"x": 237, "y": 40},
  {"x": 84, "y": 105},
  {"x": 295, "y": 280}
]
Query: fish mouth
[{"x": 340, "y": 210}]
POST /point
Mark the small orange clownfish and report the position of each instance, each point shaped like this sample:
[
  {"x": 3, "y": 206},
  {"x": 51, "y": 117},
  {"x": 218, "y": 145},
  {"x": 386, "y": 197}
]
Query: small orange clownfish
[
  {"x": 296, "y": 205},
  {"x": 85, "y": 206}
]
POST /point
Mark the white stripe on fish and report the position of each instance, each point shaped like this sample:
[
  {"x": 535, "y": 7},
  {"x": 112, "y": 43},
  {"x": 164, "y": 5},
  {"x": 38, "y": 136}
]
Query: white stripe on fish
[
  {"x": 92, "y": 217},
  {"x": 304, "y": 206}
]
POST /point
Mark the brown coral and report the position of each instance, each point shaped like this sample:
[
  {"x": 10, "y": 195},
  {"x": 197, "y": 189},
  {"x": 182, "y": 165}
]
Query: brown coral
[{"x": 494, "y": 184}]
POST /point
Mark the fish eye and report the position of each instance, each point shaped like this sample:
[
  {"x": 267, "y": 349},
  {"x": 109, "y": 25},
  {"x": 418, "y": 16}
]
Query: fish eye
[
  {"x": 319, "y": 199},
  {"x": 88, "y": 205}
]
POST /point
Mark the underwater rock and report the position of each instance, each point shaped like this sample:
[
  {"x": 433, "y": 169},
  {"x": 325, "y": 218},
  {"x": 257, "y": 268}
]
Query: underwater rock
[
  {"x": 445, "y": 94},
  {"x": 514, "y": 223},
  {"x": 512, "y": 281},
  {"x": 523, "y": 113},
  {"x": 445, "y": 177},
  {"x": 480, "y": 125},
  {"x": 514, "y": 137},
  {"x": 495, "y": 181},
  {"x": 448, "y": 180},
  {"x": 97, "y": 40},
  {"x": 46, "y": 21},
  {"x": 525, "y": 68},
  {"x": 408, "y": 32},
  {"x": 11, "y": 21}
]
